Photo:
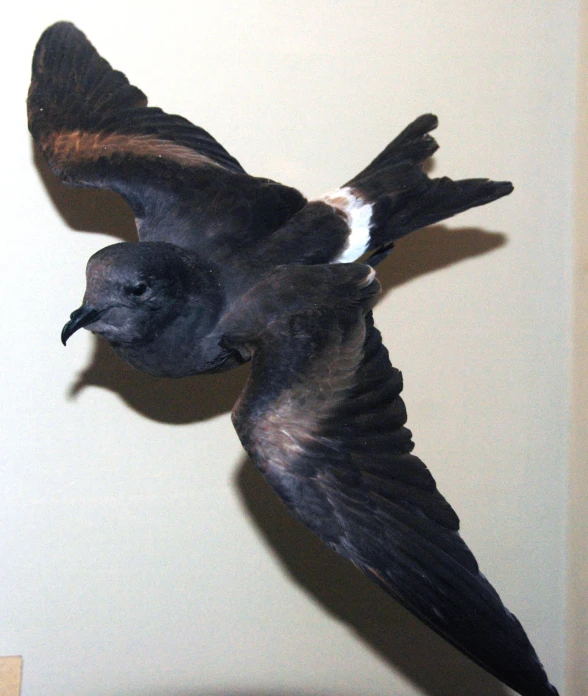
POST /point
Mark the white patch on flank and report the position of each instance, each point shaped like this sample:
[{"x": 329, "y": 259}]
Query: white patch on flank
[{"x": 359, "y": 215}]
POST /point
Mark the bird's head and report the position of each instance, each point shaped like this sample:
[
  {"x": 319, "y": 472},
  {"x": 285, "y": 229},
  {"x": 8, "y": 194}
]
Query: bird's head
[{"x": 134, "y": 291}]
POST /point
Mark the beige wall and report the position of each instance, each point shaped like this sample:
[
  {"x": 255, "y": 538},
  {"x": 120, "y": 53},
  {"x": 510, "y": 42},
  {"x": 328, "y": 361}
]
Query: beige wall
[
  {"x": 577, "y": 674},
  {"x": 141, "y": 554}
]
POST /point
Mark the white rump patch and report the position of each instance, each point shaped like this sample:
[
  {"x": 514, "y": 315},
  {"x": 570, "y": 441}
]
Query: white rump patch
[{"x": 359, "y": 215}]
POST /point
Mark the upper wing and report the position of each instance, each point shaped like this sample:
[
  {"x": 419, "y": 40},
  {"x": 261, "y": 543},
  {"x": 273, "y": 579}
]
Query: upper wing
[
  {"x": 95, "y": 129},
  {"x": 323, "y": 419}
]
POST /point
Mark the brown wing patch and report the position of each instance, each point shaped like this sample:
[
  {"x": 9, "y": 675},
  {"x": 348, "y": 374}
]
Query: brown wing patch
[
  {"x": 288, "y": 429},
  {"x": 78, "y": 146}
]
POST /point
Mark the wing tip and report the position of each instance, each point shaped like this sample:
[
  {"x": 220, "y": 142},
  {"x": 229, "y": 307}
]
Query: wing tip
[
  {"x": 55, "y": 33},
  {"x": 503, "y": 188}
]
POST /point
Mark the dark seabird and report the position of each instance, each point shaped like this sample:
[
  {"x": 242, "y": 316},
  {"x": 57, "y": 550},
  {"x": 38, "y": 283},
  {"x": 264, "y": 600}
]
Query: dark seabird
[{"x": 229, "y": 268}]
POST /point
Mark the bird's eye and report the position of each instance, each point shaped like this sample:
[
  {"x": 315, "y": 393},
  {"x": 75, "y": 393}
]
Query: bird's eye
[{"x": 137, "y": 290}]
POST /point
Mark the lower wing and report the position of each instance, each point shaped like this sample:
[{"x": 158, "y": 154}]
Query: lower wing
[{"x": 322, "y": 417}]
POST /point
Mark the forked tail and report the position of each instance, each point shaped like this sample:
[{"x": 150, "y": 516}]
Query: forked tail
[{"x": 393, "y": 196}]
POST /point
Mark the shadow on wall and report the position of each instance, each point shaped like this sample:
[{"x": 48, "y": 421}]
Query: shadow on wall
[
  {"x": 87, "y": 210},
  {"x": 424, "y": 658}
]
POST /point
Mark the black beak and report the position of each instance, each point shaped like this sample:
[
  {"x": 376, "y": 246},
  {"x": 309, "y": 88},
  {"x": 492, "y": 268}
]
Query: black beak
[{"x": 81, "y": 317}]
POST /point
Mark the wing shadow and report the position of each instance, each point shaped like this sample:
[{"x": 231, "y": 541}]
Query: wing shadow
[
  {"x": 432, "y": 249},
  {"x": 87, "y": 210},
  {"x": 427, "y": 660},
  {"x": 174, "y": 401}
]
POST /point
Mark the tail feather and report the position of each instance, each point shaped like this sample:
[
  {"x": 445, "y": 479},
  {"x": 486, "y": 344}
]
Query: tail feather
[
  {"x": 402, "y": 198},
  {"x": 414, "y": 145},
  {"x": 394, "y": 215}
]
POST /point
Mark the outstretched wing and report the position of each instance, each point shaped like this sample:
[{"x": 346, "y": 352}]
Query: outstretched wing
[
  {"x": 323, "y": 419},
  {"x": 95, "y": 129}
]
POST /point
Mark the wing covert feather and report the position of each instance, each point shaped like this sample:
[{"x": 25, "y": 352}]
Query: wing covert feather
[
  {"x": 95, "y": 129},
  {"x": 323, "y": 419}
]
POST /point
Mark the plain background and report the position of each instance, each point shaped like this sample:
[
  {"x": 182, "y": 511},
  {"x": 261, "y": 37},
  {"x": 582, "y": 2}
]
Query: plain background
[{"x": 141, "y": 554}]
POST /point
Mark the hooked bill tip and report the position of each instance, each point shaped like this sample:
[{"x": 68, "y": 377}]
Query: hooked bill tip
[{"x": 82, "y": 316}]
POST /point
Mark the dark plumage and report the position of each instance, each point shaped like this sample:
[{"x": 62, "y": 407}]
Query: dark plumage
[{"x": 231, "y": 267}]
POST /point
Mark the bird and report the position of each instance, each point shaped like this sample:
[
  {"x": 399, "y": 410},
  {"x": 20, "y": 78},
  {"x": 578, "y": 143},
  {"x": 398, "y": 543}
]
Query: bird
[{"x": 232, "y": 268}]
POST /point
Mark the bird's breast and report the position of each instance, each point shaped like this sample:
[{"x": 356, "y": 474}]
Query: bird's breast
[{"x": 167, "y": 358}]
